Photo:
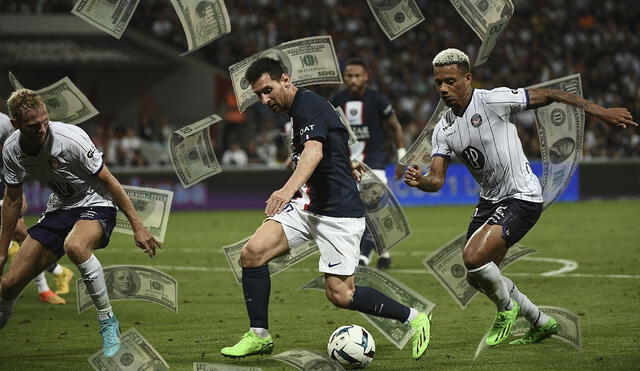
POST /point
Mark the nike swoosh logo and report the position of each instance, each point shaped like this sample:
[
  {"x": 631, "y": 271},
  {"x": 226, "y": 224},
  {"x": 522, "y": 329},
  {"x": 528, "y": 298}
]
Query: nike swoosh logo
[{"x": 333, "y": 265}]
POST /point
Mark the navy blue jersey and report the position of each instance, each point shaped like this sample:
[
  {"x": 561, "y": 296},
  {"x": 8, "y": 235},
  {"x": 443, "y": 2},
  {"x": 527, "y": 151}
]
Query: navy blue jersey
[
  {"x": 331, "y": 189},
  {"x": 366, "y": 115}
]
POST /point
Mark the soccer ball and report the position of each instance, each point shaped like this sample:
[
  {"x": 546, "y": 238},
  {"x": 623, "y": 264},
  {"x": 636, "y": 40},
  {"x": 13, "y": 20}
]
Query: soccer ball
[{"x": 352, "y": 346}]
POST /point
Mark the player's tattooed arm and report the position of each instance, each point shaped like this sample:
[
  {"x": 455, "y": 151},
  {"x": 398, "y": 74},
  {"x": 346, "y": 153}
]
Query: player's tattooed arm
[
  {"x": 612, "y": 116},
  {"x": 432, "y": 181}
]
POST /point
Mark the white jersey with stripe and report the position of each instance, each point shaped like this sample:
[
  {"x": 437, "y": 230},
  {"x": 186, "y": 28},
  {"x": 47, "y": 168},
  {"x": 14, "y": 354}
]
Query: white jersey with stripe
[
  {"x": 487, "y": 143},
  {"x": 5, "y": 130},
  {"x": 68, "y": 163}
]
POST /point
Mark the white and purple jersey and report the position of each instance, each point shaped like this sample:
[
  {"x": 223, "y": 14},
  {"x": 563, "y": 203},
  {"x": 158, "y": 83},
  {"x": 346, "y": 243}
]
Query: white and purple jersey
[
  {"x": 487, "y": 142},
  {"x": 68, "y": 163}
]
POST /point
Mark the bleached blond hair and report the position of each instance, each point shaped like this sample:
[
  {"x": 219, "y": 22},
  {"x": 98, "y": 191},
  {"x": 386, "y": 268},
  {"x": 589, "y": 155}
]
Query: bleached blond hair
[
  {"x": 21, "y": 101},
  {"x": 451, "y": 56}
]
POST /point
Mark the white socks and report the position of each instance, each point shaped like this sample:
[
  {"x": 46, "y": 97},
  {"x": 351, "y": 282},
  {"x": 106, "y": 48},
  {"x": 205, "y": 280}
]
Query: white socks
[
  {"x": 413, "y": 313},
  {"x": 490, "y": 280},
  {"x": 57, "y": 270},
  {"x": 530, "y": 311},
  {"x": 93, "y": 277},
  {"x": 6, "y": 308},
  {"x": 262, "y": 332},
  {"x": 41, "y": 283}
]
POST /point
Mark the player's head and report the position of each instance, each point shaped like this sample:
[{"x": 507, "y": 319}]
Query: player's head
[
  {"x": 271, "y": 84},
  {"x": 29, "y": 114},
  {"x": 355, "y": 75},
  {"x": 453, "y": 76}
]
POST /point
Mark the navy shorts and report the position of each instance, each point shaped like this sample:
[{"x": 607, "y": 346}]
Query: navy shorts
[
  {"x": 53, "y": 227},
  {"x": 515, "y": 216}
]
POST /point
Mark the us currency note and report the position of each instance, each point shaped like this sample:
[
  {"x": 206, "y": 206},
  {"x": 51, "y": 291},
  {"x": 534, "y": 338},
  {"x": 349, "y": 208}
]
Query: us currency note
[
  {"x": 397, "y": 333},
  {"x": 296, "y": 254},
  {"x": 307, "y": 61},
  {"x": 132, "y": 282},
  {"x": 420, "y": 151},
  {"x": 202, "y": 21},
  {"x": 448, "y": 267},
  {"x": 201, "y": 366},
  {"x": 64, "y": 101},
  {"x": 384, "y": 216},
  {"x": 569, "y": 325},
  {"x": 308, "y": 360},
  {"x": 192, "y": 154},
  {"x": 135, "y": 354},
  {"x": 110, "y": 16},
  {"x": 153, "y": 207},
  {"x": 561, "y": 134},
  {"x": 488, "y": 19},
  {"x": 395, "y": 17}
]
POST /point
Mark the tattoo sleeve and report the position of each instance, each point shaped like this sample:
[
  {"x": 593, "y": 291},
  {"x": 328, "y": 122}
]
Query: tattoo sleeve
[{"x": 430, "y": 183}]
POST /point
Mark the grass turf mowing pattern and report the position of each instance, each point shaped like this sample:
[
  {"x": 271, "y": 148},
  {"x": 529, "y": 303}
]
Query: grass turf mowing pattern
[{"x": 602, "y": 237}]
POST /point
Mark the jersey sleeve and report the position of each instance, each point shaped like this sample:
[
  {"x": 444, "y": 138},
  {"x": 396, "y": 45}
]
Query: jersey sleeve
[
  {"x": 440, "y": 146},
  {"x": 505, "y": 101},
  {"x": 85, "y": 152},
  {"x": 384, "y": 106},
  {"x": 12, "y": 173},
  {"x": 314, "y": 125}
]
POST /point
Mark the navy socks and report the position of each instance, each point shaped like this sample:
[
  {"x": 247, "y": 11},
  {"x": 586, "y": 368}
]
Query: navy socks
[
  {"x": 256, "y": 285},
  {"x": 372, "y": 301}
]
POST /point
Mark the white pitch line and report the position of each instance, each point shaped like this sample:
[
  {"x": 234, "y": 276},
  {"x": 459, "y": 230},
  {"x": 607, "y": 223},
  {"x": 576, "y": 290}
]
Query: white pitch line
[
  {"x": 401, "y": 271},
  {"x": 569, "y": 265}
]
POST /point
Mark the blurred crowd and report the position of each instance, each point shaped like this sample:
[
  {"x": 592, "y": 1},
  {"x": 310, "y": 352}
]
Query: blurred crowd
[{"x": 546, "y": 39}]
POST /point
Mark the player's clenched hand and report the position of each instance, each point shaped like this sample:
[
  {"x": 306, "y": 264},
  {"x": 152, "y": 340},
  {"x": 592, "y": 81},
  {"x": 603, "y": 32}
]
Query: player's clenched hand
[
  {"x": 357, "y": 170},
  {"x": 617, "y": 116},
  {"x": 146, "y": 241},
  {"x": 412, "y": 176},
  {"x": 277, "y": 201}
]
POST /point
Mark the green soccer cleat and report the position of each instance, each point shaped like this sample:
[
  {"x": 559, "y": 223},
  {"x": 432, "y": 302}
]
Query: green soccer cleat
[
  {"x": 537, "y": 334},
  {"x": 250, "y": 344},
  {"x": 501, "y": 328},
  {"x": 421, "y": 326},
  {"x": 110, "y": 332}
]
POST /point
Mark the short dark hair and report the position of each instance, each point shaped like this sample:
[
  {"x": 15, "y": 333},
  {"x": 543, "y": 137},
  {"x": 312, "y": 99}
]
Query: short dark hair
[
  {"x": 356, "y": 62},
  {"x": 260, "y": 66}
]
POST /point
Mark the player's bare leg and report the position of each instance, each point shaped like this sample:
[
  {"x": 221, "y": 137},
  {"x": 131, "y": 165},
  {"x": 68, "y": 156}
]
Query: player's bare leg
[
  {"x": 343, "y": 293},
  {"x": 484, "y": 251},
  {"x": 28, "y": 262},
  {"x": 86, "y": 236},
  {"x": 267, "y": 243}
]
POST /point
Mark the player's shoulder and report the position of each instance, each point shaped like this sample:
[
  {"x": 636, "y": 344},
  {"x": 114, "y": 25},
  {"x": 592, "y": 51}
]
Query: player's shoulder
[
  {"x": 12, "y": 141},
  {"x": 66, "y": 130},
  {"x": 497, "y": 95},
  {"x": 340, "y": 97}
]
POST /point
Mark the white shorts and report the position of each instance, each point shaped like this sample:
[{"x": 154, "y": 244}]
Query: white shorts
[
  {"x": 381, "y": 174},
  {"x": 338, "y": 239}
]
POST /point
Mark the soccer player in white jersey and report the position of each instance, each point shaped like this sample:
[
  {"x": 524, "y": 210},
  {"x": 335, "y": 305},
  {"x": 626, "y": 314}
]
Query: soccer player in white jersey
[
  {"x": 62, "y": 274},
  {"x": 477, "y": 128},
  {"x": 80, "y": 214}
]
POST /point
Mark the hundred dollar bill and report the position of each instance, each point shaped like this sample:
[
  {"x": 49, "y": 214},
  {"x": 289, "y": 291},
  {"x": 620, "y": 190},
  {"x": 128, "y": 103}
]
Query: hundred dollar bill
[
  {"x": 397, "y": 333},
  {"x": 308, "y": 61},
  {"x": 110, "y": 16},
  {"x": 192, "y": 154},
  {"x": 296, "y": 254},
  {"x": 132, "y": 282},
  {"x": 308, "y": 360},
  {"x": 343, "y": 118},
  {"x": 561, "y": 134},
  {"x": 200, "y": 366},
  {"x": 384, "y": 216},
  {"x": 487, "y": 18},
  {"x": 202, "y": 21},
  {"x": 135, "y": 354},
  {"x": 153, "y": 207},
  {"x": 569, "y": 325},
  {"x": 448, "y": 267},
  {"x": 64, "y": 101},
  {"x": 395, "y": 17},
  {"x": 420, "y": 151}
]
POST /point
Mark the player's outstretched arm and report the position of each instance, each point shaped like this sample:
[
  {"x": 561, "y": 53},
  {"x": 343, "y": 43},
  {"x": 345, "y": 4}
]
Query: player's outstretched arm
[
  {"x": 144, "y": 239},
  {"x": 618, "y": 116},
  {"x": 433, "y": 181},
  {"x": 11, "y": 207},
  {"x": 309, "y": 159}
]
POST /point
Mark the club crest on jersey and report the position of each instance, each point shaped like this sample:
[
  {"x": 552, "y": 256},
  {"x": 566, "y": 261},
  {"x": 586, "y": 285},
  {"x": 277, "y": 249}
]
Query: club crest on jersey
[
  {"x": 54, "y": 163},
  {"x": 476, "y": 120}
]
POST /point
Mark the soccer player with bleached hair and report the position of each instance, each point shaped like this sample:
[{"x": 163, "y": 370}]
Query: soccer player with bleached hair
[
  {"x": 478, "y": 129},
  {"x": 81, "y": 211},
  {"x": 319, "y": 202}
]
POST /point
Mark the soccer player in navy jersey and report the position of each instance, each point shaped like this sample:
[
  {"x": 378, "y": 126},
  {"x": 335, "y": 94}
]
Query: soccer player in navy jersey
[
  {"x": 371, "y": 117},
  {"x": 478, "y": 129},
  {"x": 319, "y": 202}
]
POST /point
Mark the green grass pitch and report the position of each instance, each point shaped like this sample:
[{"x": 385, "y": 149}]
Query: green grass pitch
[{"x": 602, "y": 237}]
